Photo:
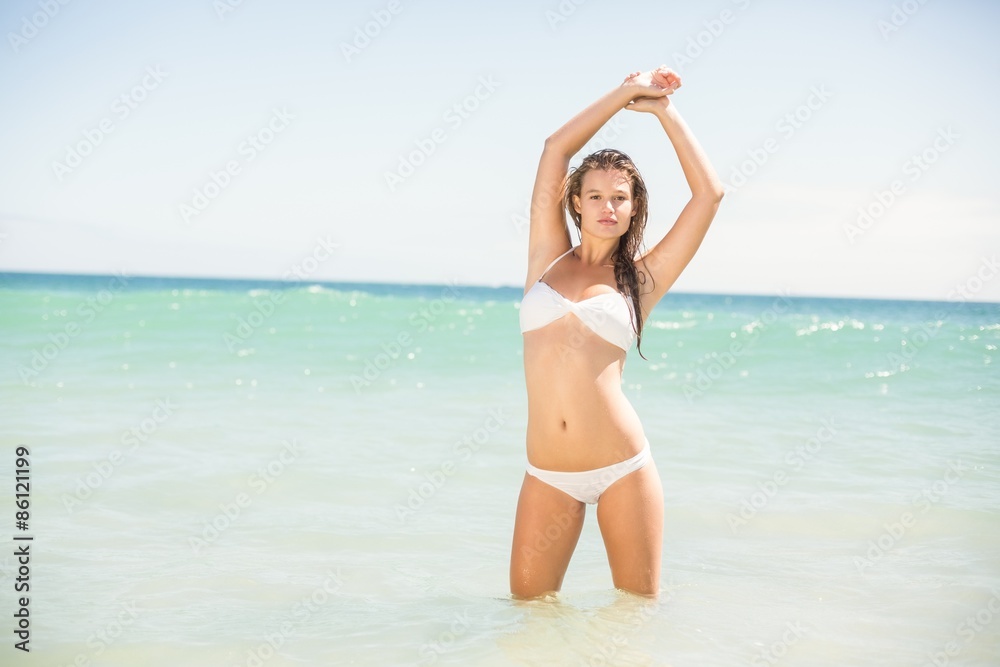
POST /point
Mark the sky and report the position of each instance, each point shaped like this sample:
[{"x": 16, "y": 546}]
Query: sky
[{"x": 397, "y": 141}]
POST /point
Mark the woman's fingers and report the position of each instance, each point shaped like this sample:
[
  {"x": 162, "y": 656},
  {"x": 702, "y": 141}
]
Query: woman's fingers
[
  {"x": 667, "y": 77},
  {"x": 659, "y": 82},
  {"x": 647, "y": 103}
]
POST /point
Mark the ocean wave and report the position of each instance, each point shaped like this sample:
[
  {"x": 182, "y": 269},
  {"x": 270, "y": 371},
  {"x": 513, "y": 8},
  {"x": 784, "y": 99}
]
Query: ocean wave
[
  {"x": 661, "y": 324},
  {"x": 837, "y": 325}
]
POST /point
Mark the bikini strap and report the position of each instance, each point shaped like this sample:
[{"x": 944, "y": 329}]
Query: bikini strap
[{"x": 553, "y": 263}]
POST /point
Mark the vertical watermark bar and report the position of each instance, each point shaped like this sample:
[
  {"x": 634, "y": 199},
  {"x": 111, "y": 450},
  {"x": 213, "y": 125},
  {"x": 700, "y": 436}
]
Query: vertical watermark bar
[{"x": 22, "y": 547}]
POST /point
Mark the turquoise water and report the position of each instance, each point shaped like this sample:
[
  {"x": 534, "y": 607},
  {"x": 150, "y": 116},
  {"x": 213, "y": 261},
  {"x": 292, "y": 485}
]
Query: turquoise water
[{"x": 227, "y": 473}]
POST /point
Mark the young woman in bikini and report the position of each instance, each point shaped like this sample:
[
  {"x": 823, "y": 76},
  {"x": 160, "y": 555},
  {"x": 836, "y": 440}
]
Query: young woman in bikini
[{"x": 583, "y": 308}]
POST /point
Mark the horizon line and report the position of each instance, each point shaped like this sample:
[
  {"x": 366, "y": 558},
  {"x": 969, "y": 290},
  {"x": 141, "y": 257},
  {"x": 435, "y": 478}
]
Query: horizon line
[{"x": 305, "y": 283}]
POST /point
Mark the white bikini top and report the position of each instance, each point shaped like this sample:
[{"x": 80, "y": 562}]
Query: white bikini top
[{"x": 608, "y": 315}]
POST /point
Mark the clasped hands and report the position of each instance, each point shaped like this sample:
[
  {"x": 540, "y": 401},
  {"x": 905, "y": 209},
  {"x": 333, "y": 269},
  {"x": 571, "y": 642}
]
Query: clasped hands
[{"x": 650, "y": 89}]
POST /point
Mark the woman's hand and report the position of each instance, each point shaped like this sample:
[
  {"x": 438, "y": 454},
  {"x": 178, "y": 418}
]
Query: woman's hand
[
  {"x": 657, "y": 83},
  {"x": 648, "y": 104}
]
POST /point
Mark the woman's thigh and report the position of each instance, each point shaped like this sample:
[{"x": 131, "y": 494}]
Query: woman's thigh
[
  {"x": 546, "y": 529},
  {"x": 630, "y": 514}
]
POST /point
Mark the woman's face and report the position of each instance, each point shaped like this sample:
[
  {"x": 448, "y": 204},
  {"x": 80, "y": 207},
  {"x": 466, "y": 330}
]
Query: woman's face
[{"x": 604, "y": 203}]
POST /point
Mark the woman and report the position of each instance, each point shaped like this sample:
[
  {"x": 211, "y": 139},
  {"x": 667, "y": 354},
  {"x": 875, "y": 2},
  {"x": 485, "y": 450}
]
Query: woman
[{"x": 583, "y": 307}]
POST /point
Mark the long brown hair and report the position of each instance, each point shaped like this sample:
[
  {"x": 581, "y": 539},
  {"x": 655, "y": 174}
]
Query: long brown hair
[{"x": 624, "y": 255}]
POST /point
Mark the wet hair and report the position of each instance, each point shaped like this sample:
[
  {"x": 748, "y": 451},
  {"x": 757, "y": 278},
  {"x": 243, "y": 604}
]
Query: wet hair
[{"x": 626, "y": 276}]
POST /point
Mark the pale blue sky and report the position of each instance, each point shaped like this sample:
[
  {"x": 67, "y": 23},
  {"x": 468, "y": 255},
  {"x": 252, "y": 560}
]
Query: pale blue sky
[{"x": 337, "y": 126}]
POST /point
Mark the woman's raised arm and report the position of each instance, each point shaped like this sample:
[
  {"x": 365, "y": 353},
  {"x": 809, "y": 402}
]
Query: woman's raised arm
[{"x": 674, "y": 251}]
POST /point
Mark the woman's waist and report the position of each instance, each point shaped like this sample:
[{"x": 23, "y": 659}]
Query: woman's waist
[
  {"x": 585, "y": 443},
  {"x": 576, "y": 396},
  {"x": 580, "y": 419}
]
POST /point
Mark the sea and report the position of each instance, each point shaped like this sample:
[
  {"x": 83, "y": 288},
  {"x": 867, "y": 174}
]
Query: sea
[{"x": 249, "y": 473}]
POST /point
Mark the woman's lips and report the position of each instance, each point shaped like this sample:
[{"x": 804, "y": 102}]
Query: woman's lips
[{"x": 608, "y": 222}]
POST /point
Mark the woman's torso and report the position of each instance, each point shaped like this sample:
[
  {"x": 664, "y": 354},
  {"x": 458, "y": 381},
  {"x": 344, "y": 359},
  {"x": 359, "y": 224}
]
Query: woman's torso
[{"x": 578, "y": 416}]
